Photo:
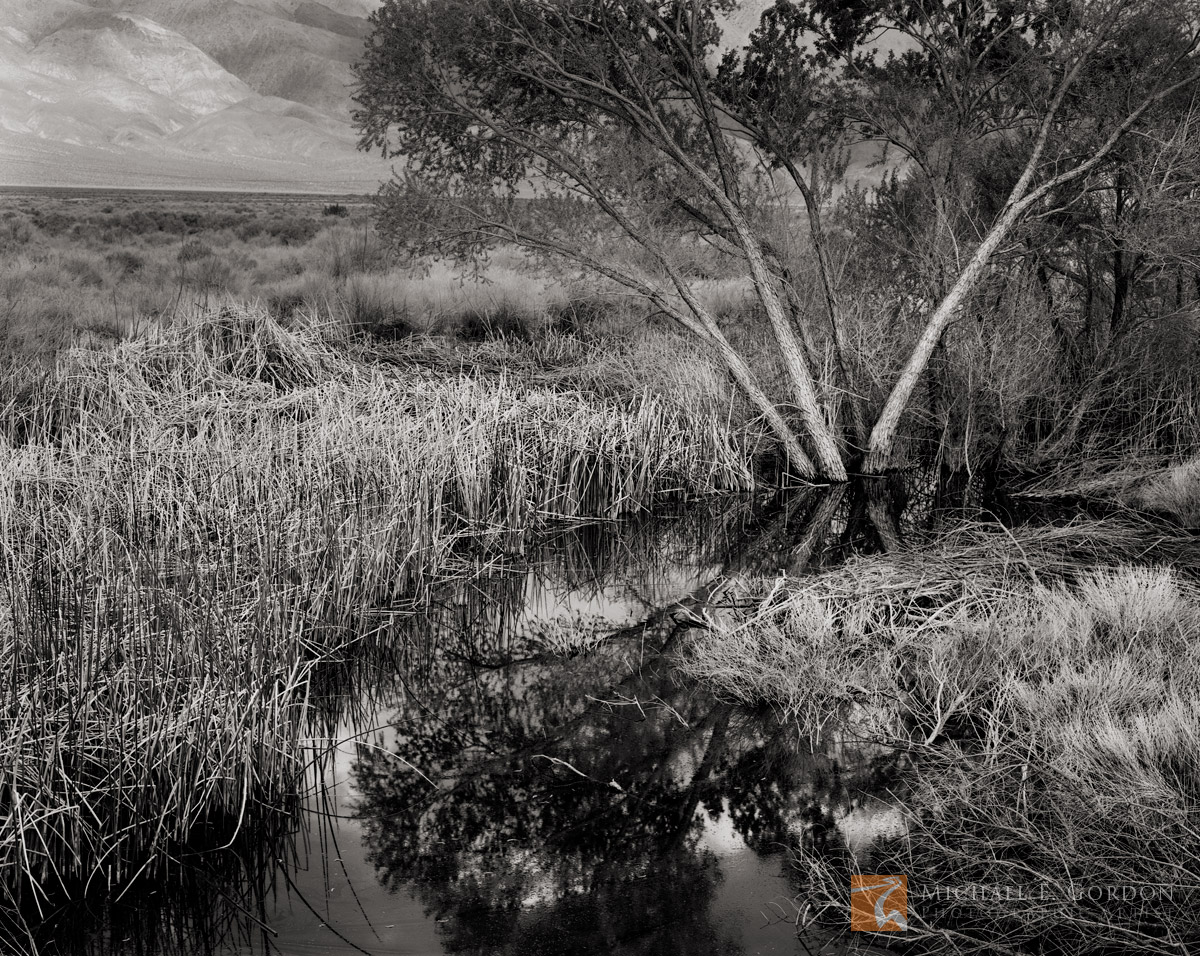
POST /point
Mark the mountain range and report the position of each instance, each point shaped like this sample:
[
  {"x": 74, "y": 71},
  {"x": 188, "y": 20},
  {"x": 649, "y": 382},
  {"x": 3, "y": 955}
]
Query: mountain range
[
  {"x": 221, "y": 94},
  {"x": 187, "y": 94}
]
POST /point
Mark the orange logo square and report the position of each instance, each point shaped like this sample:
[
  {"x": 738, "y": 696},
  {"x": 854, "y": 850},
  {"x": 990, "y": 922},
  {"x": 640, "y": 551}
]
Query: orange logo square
[{"x": 879, "y": 903}]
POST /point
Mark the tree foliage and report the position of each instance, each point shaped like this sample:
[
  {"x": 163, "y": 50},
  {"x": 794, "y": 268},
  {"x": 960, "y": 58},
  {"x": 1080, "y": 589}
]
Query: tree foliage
[{"x": 643, "y": 131}]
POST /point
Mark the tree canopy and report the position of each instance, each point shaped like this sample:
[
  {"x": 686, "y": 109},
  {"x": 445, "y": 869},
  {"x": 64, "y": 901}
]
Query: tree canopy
[{"x": 642, "y": 129}]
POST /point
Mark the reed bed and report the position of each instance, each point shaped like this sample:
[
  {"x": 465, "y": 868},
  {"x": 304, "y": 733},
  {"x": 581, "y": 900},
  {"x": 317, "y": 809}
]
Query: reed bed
[
  {"x": 195, "y": 522},
  {"x": 1043, "y": 684}
]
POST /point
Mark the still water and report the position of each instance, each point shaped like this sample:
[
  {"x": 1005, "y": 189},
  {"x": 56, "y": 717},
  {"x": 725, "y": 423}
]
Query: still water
[{"x": 527, "y": 774}]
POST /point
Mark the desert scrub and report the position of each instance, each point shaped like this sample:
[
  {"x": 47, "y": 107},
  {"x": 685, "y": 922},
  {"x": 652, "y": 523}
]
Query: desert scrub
[
  {"x": 1044, "y": 688},
  {"x": 195, "y": 521}
]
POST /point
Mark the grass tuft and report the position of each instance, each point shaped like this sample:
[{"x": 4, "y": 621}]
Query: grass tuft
[{"x": 1175, "y": 492}]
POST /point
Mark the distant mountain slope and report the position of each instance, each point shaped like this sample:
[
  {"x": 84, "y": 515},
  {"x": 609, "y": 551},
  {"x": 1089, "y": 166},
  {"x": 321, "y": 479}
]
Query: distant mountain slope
[
  {"x": 98, "y": 48},
  {"x": 323, "y": 18},
  {"x": 128, "y": 92},
  {"x": 269, "y": 127},
  {"x": 266, "y": 46},
  {"x": 222, "y": 92}
]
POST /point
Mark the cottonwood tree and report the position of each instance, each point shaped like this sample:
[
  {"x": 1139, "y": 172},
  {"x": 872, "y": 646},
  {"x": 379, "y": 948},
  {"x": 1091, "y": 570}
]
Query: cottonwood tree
[
  {"x": 1045, "y": 93},
  {"x": 633, "y": 120},
  {"x": 601, "y": 108}
]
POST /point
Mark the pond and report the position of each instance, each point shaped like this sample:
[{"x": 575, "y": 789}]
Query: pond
[{"x": 519, "y": 769}]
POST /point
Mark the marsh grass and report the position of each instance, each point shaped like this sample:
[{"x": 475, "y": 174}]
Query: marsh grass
[
  {"x": 1067, "y": 822},
  {"x": 1173, "y": 491},
  {"x": 1164, "y": 488},
  {"x": 1043, "y": 684},
  {"x": 196, "y": 521},
  {"x": 817, "y": 644}
]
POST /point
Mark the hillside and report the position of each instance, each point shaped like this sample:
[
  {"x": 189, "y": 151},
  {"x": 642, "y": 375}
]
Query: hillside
[{"x": 251, "y": 94}]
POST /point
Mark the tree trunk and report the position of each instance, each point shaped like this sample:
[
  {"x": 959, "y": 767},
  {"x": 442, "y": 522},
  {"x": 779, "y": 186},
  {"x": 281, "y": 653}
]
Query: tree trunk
[
  {"x": 879, "y": 449},
  {"x": 1116, "y": 317},
  {"x": 833, "y": 304},
  {"x": 825, "y": 451},
  {"x": 745, "y": 379}
]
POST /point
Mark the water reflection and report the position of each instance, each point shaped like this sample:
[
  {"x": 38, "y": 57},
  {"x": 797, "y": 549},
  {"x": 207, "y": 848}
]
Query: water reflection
[
  {"x": 526, "y": 774},
  {"x": 543, "y": 829},
  {"x": 543, "y": 805}
]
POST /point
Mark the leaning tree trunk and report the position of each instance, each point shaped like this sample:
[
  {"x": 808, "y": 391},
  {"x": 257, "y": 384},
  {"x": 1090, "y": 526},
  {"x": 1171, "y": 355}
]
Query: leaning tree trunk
[
  {"x": 1020, "y": 200},
  {"x": 883, "y": 435},
  {"x": 825, "y": 450},
  {"x": 741, "y": 373}
]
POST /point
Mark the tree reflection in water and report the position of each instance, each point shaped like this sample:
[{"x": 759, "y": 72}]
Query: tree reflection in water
[
  {"x": 517, "y": 852},
  {"x": 534, "y": 803},
  {"x": 556, "y": 805}
]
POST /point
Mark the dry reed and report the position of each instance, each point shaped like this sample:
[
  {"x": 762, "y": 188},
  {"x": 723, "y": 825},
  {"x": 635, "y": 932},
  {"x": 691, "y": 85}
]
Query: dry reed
[{"x": 194, "y": 522}]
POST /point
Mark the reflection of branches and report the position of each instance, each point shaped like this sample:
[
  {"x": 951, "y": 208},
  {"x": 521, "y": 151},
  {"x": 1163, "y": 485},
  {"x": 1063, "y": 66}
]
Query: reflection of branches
[
  {"x": 575, "y": 770},
  {"x": 555, "y": 791},
  {"x": 526, "y": 843},
  {"x": 525, "y": 840},
  {"x": 623, "y": 701},
  {"x": 489, "y": 613}
]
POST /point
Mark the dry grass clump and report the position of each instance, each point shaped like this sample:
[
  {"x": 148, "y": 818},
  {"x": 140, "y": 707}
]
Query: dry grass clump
[
  {"x": 814, "y": 646},
  {"x": 1174, "y": 491},
  {"x": 195, "y": 521},
  {"x": 1154, "y": 486},
  {"x": 790, "y": 664},
  {"x": 1045, "y": 686},
  {"x": 1076, "y": 815}
]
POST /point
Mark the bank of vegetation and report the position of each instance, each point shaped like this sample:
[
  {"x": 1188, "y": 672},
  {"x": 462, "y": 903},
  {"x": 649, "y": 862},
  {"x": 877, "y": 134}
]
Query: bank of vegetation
[
  {"x": 1040, "y": 684},
  {"x": 196, "y": 521}
]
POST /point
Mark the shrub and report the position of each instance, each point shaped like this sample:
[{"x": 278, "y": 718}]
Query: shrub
[
  {"x": 209, "y": 274},
  {"x": 193, "y": 250},
  {"x": 15, "y": 232},
  {"x": 125, "y": 262},
  {"x": 249, "y": 230},
  {"x": 292, "y": 231},
  {"x": 83, "y": 271}
]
